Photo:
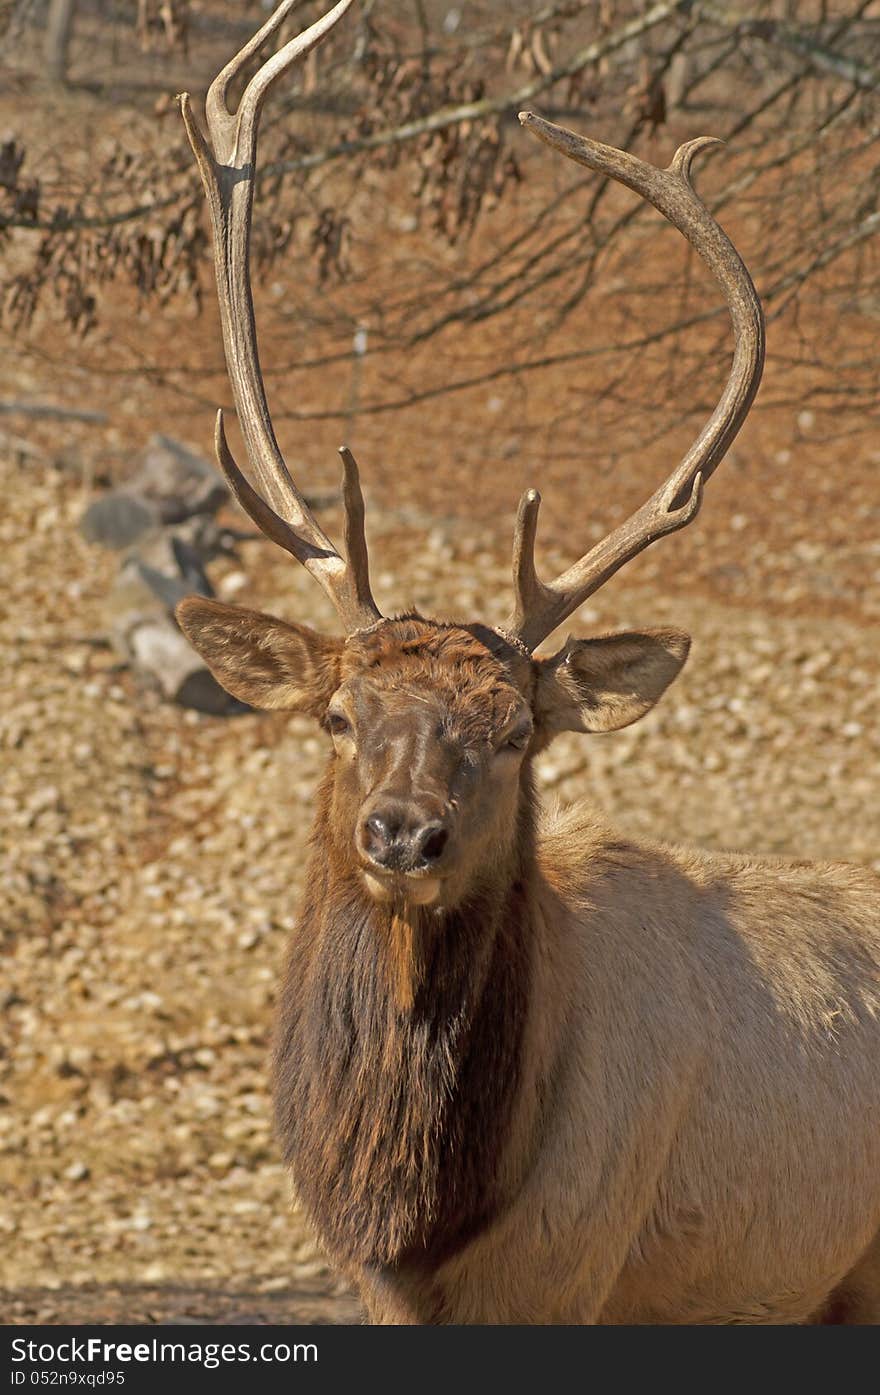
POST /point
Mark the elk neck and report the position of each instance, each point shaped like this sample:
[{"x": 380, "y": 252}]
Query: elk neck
[{"x": 399, "y": 1055}]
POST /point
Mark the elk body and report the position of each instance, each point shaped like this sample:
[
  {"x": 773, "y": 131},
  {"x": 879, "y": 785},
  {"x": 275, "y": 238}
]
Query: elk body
[{"x": 531, "y": 1071}]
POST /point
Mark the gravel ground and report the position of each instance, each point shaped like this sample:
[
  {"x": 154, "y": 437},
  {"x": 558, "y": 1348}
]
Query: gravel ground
[{"x": 151, "y": 861}]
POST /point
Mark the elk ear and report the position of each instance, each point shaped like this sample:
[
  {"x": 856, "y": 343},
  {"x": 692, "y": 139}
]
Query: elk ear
[
  {"x": 604, "y": 684},
  {"x": 263, "y": 661}
]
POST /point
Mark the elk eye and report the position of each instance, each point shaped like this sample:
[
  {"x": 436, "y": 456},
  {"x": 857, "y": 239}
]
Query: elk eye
[
  {"x": 337, "y": 725},
  {"x": 518, "y": 740}
]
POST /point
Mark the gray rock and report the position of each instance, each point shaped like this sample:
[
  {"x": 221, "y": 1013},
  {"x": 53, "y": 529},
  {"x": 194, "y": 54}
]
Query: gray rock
[
  {"x": 118, "y": 519},
  {"x": 177, "y": 481},
  {"x": 141, "y": 627}
]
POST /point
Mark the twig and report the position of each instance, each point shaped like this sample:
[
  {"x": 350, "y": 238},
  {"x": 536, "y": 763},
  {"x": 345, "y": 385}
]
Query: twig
[{"x": 44, "y": 411}]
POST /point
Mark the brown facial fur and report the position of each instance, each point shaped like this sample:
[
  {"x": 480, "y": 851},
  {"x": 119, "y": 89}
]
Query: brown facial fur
[{"x": 428, "y": 711}]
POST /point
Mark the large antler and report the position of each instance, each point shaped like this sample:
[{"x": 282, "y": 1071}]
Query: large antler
[
  {"x": 541, "y": 606},
  {"x": 227, "y": 161}
]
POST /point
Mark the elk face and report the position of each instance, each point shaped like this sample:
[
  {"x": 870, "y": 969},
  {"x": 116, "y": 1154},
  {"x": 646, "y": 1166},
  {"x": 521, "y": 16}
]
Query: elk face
[
  {"x": 433, "y": 727},
  {"x": 430, "y": 727}
]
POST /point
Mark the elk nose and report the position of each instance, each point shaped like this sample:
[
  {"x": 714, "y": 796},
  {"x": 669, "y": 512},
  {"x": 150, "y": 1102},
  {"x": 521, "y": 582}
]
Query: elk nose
[{"x": 401, "y": 840}]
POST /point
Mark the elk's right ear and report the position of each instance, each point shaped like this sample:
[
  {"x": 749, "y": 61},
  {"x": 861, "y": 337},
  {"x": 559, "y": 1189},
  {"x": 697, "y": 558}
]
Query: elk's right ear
[
  {"x": 260, "y": 660},
  {"x": 604, "y": 684}
]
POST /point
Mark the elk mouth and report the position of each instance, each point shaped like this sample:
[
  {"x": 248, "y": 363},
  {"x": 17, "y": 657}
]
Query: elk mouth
[{"x": 409, "y": 888}]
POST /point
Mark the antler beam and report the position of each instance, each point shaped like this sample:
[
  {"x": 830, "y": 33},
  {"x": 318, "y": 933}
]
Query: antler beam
[
  {"x": 227, "y": 163},
  {"x": 541, "y": 606}
]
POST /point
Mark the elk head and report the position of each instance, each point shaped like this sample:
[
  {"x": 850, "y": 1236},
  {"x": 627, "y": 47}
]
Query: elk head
[{"x": 433, "y": 724}]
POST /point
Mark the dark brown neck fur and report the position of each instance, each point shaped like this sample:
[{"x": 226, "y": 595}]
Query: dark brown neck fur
[{"x": 398, "y": 1057}]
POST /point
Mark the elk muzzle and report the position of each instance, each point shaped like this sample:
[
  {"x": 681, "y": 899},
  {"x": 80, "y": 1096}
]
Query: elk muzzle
[{"x": 402, "y": 845}]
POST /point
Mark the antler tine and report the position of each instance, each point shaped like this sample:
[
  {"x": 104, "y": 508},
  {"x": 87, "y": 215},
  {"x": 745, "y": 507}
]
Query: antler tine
[
  {"x": 216, "y": 103},
  {"x": 541, "y": 606},
  {"x": 355, "y": 537},
  {"x": 227, "y": 163}
]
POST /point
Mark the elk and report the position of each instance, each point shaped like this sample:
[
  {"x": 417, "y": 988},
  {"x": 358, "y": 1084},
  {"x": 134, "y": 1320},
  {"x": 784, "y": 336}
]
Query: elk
[{"x": 528, "y": 1070}]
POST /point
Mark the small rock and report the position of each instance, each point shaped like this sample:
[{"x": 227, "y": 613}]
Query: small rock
[
  {"x": 118, "y": 520},
  {"x": 178, "y": 482}
]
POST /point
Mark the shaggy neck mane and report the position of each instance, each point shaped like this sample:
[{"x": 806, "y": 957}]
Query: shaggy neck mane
[{"x": 397, "y": 1058}]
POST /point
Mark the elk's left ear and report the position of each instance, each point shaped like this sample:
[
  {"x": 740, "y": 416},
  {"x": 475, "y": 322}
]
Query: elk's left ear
[
  {"x": 605, "y": 684},
  {"x": 266, "y": 662}
]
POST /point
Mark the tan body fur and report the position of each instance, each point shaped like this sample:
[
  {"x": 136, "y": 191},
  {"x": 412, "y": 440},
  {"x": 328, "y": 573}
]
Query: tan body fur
[{"x": 699, "y": 1132}]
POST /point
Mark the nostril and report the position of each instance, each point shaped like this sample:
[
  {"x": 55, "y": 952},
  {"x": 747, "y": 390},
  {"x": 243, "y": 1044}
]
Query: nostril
[
  {"x": 432, "y": 840},
  {"x": 378, "y": 835}
]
